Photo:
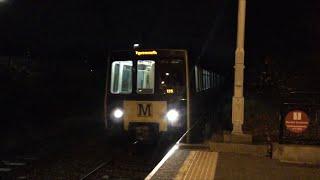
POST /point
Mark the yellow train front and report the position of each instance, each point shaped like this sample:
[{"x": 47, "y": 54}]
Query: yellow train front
[{"x": 147, "y": 93}]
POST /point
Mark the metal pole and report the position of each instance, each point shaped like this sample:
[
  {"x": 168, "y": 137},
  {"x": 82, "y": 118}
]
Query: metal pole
[{"x": 238, "y": 99}]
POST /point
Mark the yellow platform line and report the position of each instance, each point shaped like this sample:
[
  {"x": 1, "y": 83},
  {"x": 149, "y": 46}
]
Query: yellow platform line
[{"x": 200, "y": 165}]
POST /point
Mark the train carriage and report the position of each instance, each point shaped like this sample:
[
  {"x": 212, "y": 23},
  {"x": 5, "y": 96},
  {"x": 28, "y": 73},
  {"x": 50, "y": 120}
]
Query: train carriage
[
  {"x": 150, "y": 93},
  {"x": 147, "y": 93}
]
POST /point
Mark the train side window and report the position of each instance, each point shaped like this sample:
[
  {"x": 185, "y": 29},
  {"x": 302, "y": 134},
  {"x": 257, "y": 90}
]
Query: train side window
[
  {"x": 207, "y": 79},
  {"x": 121, "y": 77},
  {"x": 200, "y": 79},
  {"x": 211, "y": 80},
  {"x": 196, "y": 78},
  {"x": 205, "y": 82},
  {"x": 218, "y": 81},
  {"x": 145, "y": 76},
  {"x": 214, "y": 80}
]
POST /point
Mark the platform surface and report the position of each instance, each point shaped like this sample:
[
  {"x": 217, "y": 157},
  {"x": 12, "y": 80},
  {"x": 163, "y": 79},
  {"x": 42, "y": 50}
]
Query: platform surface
[{"x": 204, "y": 164}]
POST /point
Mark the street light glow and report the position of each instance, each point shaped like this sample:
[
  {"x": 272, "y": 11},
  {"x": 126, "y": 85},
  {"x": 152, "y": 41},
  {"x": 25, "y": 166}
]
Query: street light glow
[{"x": 2, "y": 1}]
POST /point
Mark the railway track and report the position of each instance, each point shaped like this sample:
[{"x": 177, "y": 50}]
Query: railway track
[
  {"x": 112, "y": 169},
  {"x": 89, "y": 158},
  {"x": 95, "y": 170},
  {"x": 86, "y": 156},
  {"x": 131, "y": 166},
  {"x": 135, "y": 163}
]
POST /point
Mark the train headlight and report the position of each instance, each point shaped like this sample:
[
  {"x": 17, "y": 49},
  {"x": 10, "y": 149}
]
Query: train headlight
[
  {"x": 172, "y": 115},
  {"x": 117, "y": 113}
]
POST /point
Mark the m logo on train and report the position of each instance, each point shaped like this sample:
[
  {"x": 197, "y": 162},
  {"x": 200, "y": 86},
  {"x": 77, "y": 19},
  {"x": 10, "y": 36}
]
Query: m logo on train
[{"x": 144, "y": 110}]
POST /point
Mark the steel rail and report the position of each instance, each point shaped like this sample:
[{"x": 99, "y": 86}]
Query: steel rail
[{"x": 96, "y": 169}]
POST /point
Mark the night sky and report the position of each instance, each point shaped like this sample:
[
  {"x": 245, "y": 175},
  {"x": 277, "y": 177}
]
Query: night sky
[
  {"x": 285, "y": 30},
  {"x": 63, "y": 47}
]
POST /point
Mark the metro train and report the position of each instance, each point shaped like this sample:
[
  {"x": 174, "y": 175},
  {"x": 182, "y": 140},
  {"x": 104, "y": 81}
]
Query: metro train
[{"x": 149, "y": 91}]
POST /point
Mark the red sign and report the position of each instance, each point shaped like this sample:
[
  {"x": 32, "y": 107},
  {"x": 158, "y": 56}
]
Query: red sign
[{"x": 297, "y": 121}]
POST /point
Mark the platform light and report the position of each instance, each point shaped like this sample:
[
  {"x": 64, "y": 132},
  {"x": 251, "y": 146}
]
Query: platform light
[
  {"x": 172, "y": 115},
  {"x": 167, "y": 74},
  {"x": 162, "y": 82}
]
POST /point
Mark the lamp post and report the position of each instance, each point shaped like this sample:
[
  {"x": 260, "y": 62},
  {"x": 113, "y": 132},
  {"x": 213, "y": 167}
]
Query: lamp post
[{"x": 238, "y": 99}]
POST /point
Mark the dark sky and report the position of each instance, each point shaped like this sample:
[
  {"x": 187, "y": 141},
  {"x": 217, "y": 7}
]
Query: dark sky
[
  {"x": 207, "y": 28},
  {"x": 283, "y": 27},
  {"x": 92, "y": 25}
]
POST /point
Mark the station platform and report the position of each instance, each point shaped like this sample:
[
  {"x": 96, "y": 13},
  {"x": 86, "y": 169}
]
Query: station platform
[{"x": 199, "y": 162}]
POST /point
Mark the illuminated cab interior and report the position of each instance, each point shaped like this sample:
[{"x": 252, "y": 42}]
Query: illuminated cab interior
[{"x": 170, "y": 77}]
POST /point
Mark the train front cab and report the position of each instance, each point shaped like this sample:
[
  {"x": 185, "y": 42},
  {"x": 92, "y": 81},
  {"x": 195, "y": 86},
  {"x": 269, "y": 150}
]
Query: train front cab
[{"x": 147, "y": 94}]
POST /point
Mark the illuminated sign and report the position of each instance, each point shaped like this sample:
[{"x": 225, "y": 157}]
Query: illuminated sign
[
  {"x": 142, "y": 53},
  {"x": 297, "y": 121},
  {"x": 170, "y": 91}
]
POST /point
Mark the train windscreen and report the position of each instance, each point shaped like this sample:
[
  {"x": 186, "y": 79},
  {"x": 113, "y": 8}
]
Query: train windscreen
[
  {"x": 171, "y": 76},
  {"x": 145, "y": 76},
  {"x": 162, "y": 76},
  {"x": 121, "y": 77}
]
